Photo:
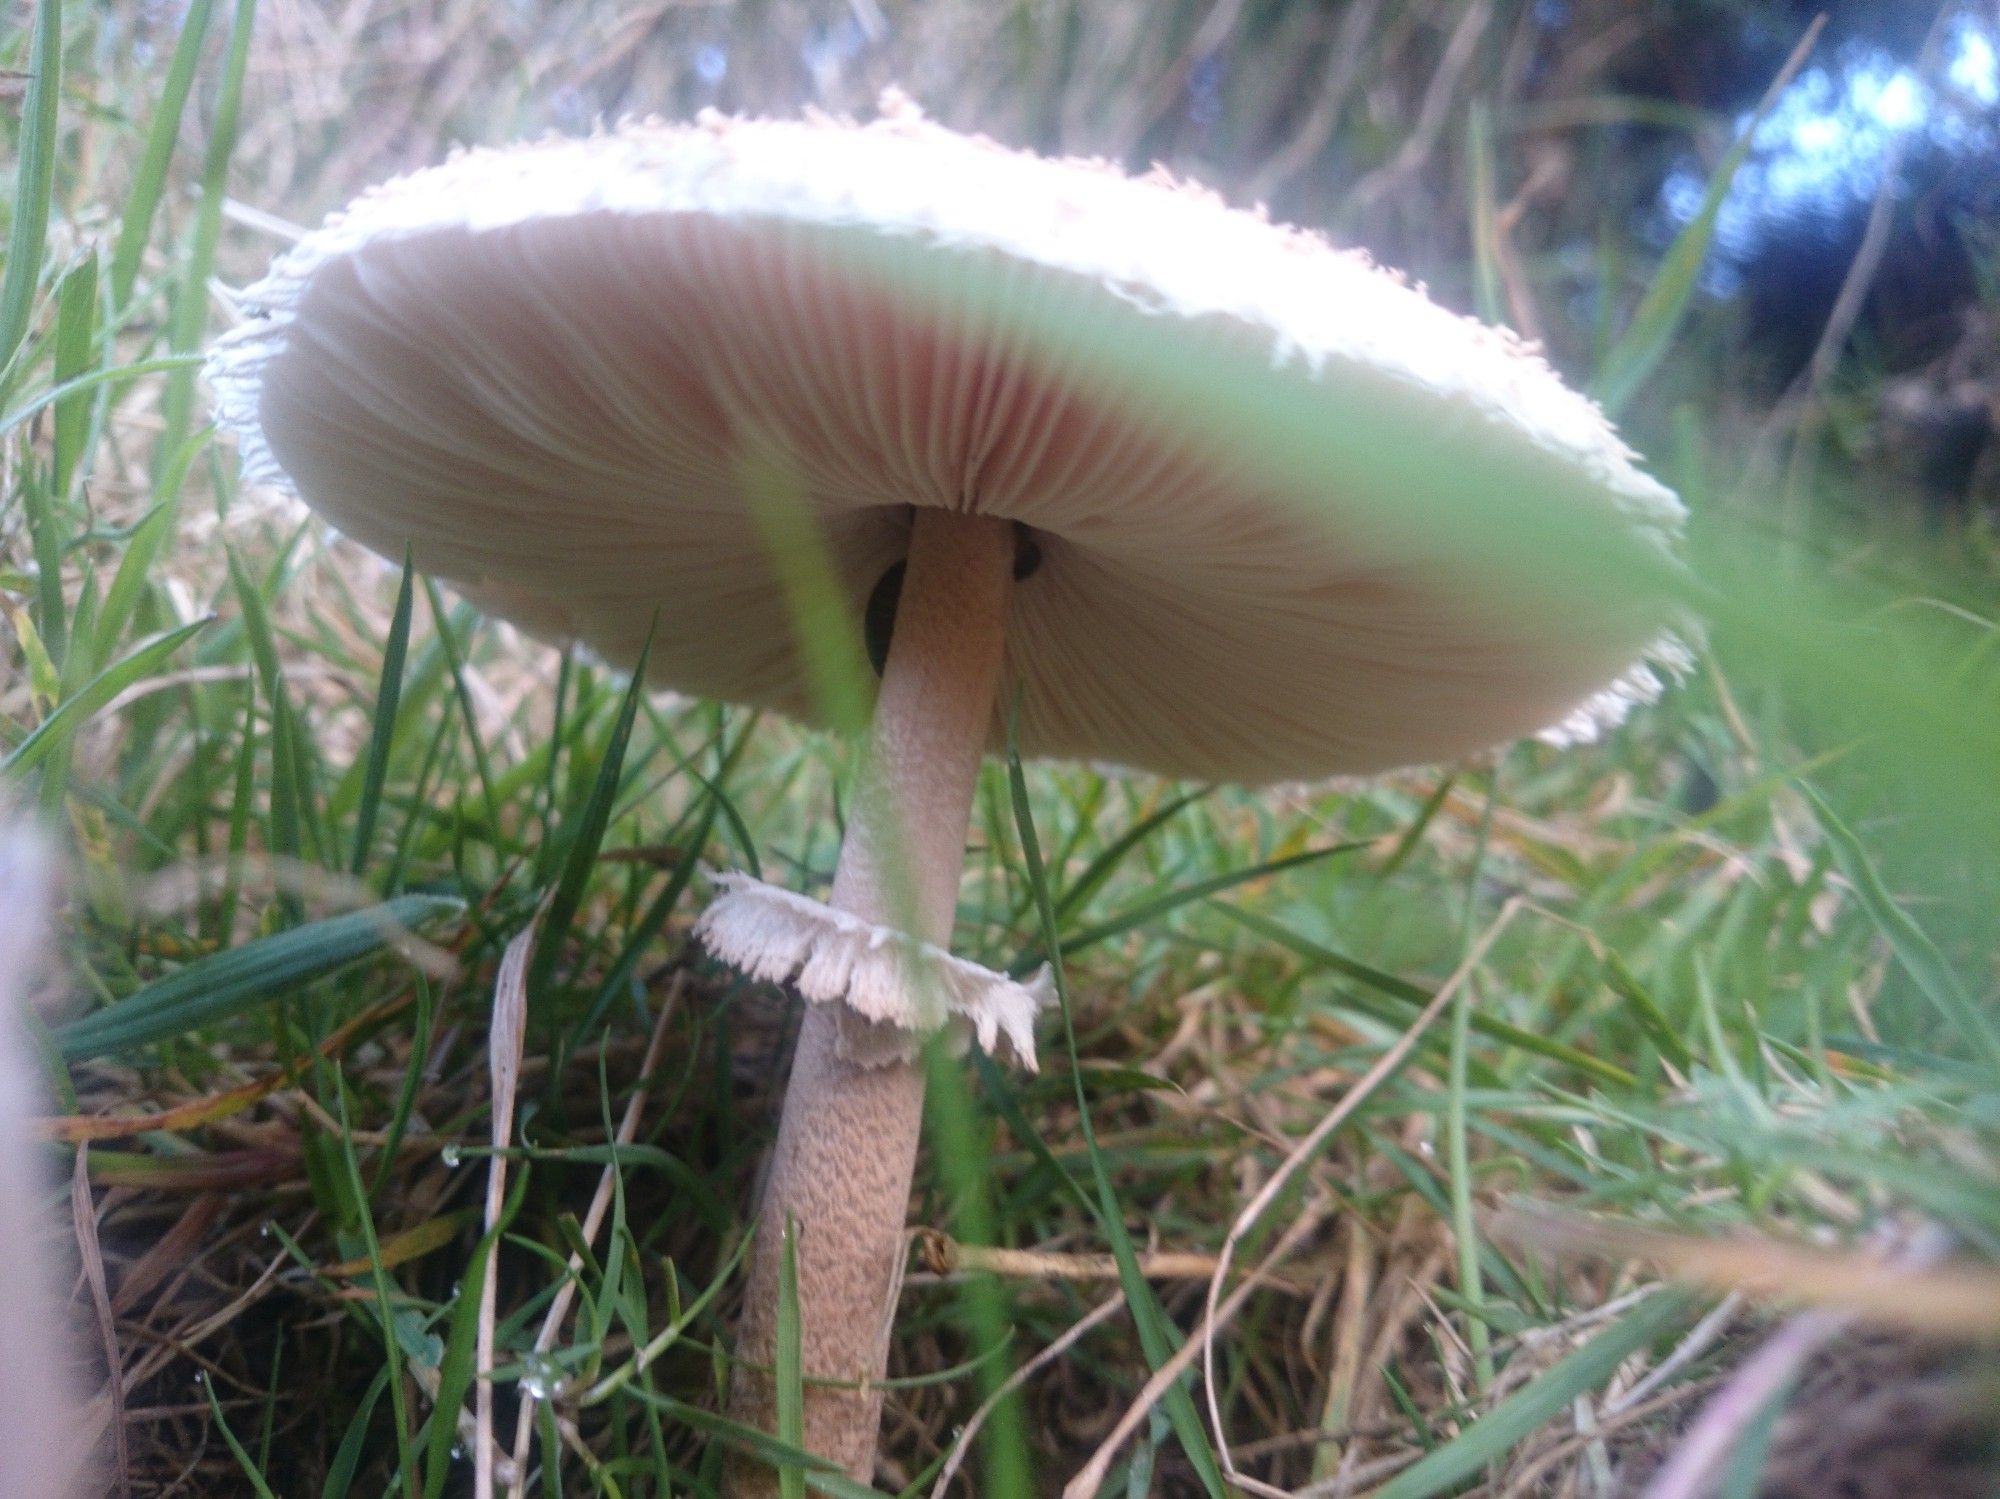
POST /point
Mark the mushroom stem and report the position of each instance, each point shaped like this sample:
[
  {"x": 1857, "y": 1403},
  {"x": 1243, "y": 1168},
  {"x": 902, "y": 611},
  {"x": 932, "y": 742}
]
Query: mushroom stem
[{"x": 847, "y": 1143}]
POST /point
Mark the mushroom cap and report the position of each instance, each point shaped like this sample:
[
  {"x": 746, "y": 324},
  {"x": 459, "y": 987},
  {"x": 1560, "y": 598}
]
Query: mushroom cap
[{"x": 1289, "y": 511}]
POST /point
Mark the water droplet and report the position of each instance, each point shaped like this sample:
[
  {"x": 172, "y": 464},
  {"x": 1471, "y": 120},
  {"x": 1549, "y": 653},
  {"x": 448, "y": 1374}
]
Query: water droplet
[
  {"x": 451, "y": 1155},
  {"x": 539, "y": 1376}
]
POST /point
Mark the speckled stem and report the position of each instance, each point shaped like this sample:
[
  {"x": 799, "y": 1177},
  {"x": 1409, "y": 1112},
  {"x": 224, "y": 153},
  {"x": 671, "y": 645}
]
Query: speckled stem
[{"x": 847, "y": 1143}]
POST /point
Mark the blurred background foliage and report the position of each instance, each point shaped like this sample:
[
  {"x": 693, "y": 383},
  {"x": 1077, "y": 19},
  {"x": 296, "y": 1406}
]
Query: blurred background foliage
[{"x": 1604, "y": 122}]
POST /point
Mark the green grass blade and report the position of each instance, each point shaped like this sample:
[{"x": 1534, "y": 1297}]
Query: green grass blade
[
  {"x": 457, "y": 1369},
  {"x": 45, "y": 531},
  {"x": 149, "y": 182},
  {"x": 830, "y": 644},
  {"x": 34, "y": 181},
  {"x": 1414, "y": 833},
  {"x": 356, "y": 1202},
  {"x": 406, "y": 1096},
  {"x": 1115, "y": 853},
  {"x": 1146, "y": 913},
  {"x": 135, "y": 568},
  {"x": 382, "y": 737},
  {"x": 291, "y": 782},
  {"x": 587, "y": 837},
  {"x": 287, "y": 822},
  {"x": 419, "y": 808},
  {"x": 189, "y": 318},
  {"x": 76, "y": 348},
  {"x": 116, "y": 374},
  {"x": 551, "y": 798},
  {"x": 228, "y": 983},
  {"x": 1155, "y": 1338},
  {"x": 1657, "y": 319},
  {"x": 1416, "y": 997},
  {"x": 257, "y": 631},
  {"x": 347, "y": 1456},
  {"x": 788, "y": 1372},
  {"x": 243, "y": 790},
  {"x": 1913, "y": 947},
  {"x": 423, "y": 680},
  {"x": 960, "y": 1151},
  {"x": 639, "y": 938},
  {"x": 236, "y": 1448},
  {"x": 454, "y": 659},
  {"x": 818, "y": 1472},
  {"x": 1646, "y": 1010},
  {"x": 61, "y": 726},
  {"x": 1508, "y": 1424}
]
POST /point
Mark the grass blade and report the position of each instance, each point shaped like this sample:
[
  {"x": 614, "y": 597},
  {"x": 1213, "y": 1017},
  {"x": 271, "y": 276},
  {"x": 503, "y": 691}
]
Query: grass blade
[
  {"x": 149, "y": 183},
  {"x": 236, "y": 1448},
  {"x": 1146, "y": 913},
  {"x": 641, "y": 934},
  {"x": 381, "y": 739},
  {"x": 1514, "y": 1419},
  {"x": 1657, "y": 319},
  {"x": 818, "y": 1473},
  {"x": 384, "y": 1302},
  {"x": 347, "y": 1456},
  {"x": 1416, "y": 996},
  {"x": 135, "y": 568},
  {"x": 789, "y": 1372},
  {"x": 291, "y": 783},
  {"x": 76, "y": 344},
  {"x": 459, "y": 1366},
  {"x": 225, "y": 984},
  {"x": 588, "y": 835},
  {"x": 1646, "y": 1010},
  {"x": 1911, "y": 944},
  {"x": 1154, "y": 1336},
  {"x": 45, "y": 530},
  {"x": 190, "y": 311},
  {"x": 454, "y": 660},
  {"x": 166, "y": 364},
  {"x": 1414, "y": 833},
  {"x": 61, "y": 726},
  {"x": 34, "y": 181},
  {"x": 1106, "y": 863}
]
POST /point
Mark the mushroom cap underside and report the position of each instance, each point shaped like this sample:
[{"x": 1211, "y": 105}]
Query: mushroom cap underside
[{"x": 1292, "y": 518}]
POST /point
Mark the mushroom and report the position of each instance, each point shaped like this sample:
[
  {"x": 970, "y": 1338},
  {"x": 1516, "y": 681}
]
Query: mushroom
[{"x": 553, "y": 370}]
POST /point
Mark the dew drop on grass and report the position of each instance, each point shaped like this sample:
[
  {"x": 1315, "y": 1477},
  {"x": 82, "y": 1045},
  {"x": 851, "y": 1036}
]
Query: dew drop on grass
[
  {"x": 451, "y": 1156},
  {"x": 539, "y": 1376}
]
